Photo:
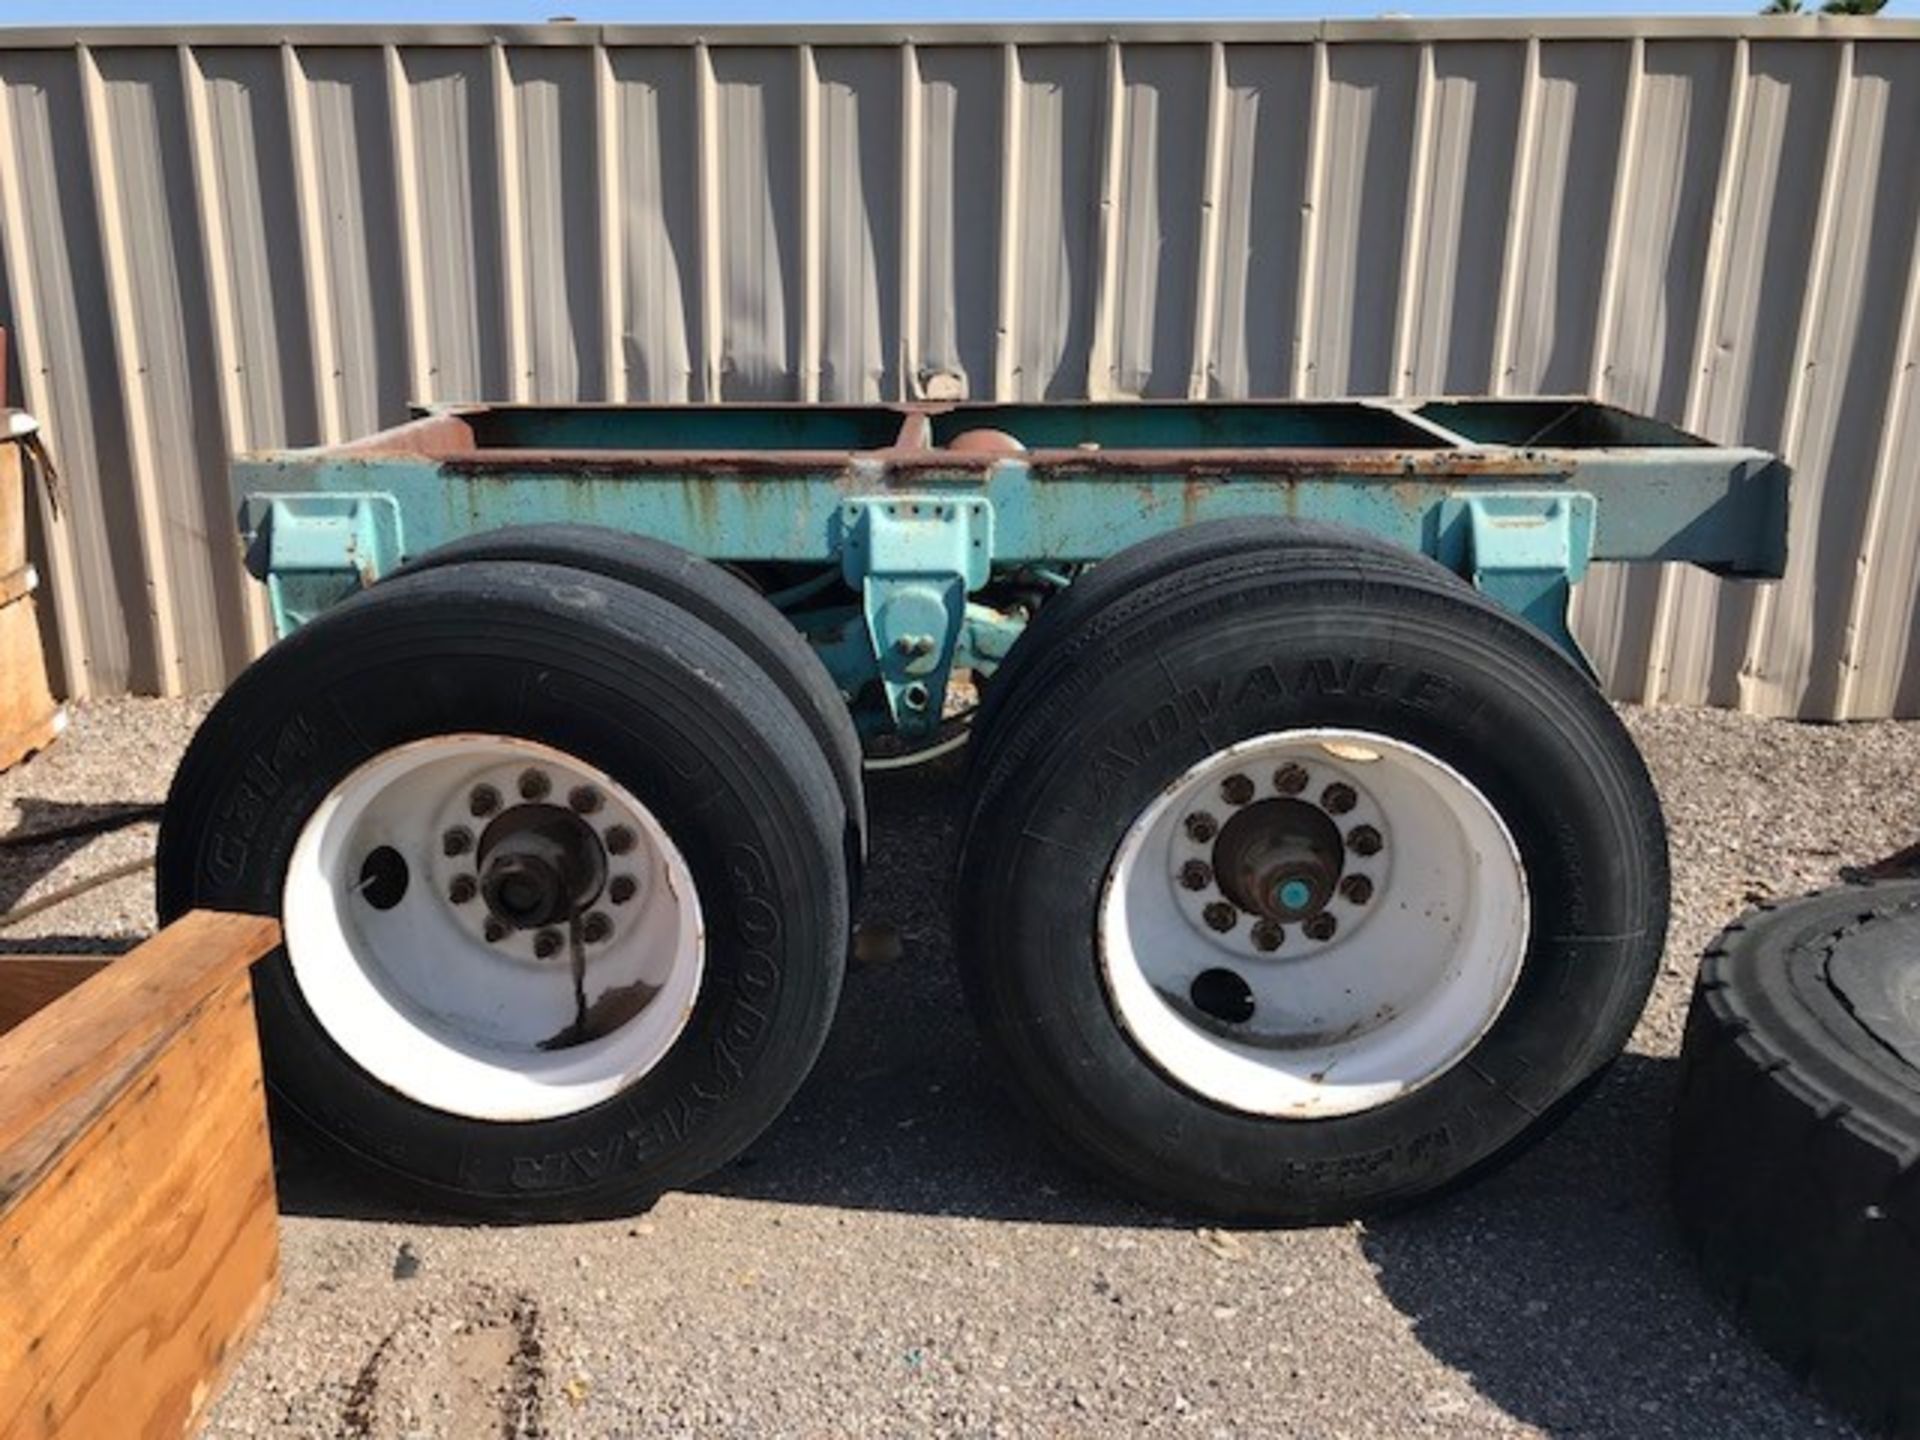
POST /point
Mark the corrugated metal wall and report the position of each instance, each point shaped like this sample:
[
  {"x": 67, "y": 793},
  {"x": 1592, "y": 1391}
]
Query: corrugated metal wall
[{"x": 235, "y": 238}]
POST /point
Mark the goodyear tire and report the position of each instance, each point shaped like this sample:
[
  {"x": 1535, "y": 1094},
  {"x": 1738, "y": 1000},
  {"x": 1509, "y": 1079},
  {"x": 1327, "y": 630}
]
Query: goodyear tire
[
  {"x": 1796, "y": 1146},
  {"x": 1308, "y": 883},
  {"x": 561, "y": 878}
]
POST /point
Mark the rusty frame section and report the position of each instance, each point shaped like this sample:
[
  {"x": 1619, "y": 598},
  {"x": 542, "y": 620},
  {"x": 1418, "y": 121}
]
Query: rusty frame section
[{"x": 936, "y": 510}]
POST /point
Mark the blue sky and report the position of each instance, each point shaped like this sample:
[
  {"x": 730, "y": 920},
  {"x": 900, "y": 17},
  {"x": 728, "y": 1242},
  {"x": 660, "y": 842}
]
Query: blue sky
[{"x": 720, "y": 12}]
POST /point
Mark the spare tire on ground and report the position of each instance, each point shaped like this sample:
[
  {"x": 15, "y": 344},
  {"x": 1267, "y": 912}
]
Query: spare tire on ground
[{"x": 1796, "y": 1155}]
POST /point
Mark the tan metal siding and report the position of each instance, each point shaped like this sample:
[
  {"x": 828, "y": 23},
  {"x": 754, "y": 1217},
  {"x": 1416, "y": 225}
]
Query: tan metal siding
[{"x": 220, "y": 239}]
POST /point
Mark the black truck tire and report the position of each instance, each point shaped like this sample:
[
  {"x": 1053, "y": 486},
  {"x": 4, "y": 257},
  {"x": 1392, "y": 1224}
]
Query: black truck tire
[
  {"x": 1285, "y": 647},
  {"x": 721, "y": 792},
  {"x": 1796, "y": 1142}
]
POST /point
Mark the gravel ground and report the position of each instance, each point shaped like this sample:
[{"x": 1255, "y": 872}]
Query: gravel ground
[{"x": 898, "y": 1256}]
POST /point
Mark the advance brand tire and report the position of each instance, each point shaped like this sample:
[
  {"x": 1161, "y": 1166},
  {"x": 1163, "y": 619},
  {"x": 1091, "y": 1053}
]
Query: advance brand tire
[
  {"x": 391, "y": 780},
  {"x": 1218, "y": 922},
  {"x": 1796, "y": 1143},
  {"x": 709, "y": 594}
]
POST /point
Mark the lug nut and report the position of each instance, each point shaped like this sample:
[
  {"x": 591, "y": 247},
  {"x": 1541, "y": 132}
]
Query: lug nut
[
  {"x": 457, "y": 841},
  {"x": 1357, "y": 888},
  {"x": 619, "y": 840},
  {"x": 1201, "y": 826},
  {"x": 1267, "y": 935},
  {"x": 1363, "y": 840},
  {"x": 1196, "y": 875},
  {"x": 595, "y": 928},
  {"x": 547, "y": 944},
  {"x": 483, "y": 801},
  {"x": 1320, "y": 927},
  {"x": 462, "y": 890},
  {"x": 495, "y": 931},
  {"x": 620, "y": 889},
  {"x": 1290, "y": 779},
  {"x": 1338, "y": 799},
  {"x": 584, "y": 799},
  {"x": 534, "y": 785},
  {"x": 1236, "y": 789},
  {"x": 1220, "y": 916}
]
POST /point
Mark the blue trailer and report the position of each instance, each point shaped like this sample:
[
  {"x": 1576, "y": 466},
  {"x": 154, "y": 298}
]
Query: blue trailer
[{"x": 1305, "y": 868}]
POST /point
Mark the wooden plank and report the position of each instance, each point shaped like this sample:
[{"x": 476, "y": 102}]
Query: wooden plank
[
  {"x": 29, "y": 715},
  {"x": 13, "y": 509},
  {"x": 30, "y": 983},
  {"x": 94, "y": 1037},
  {"x": 140, "y": 1263}
]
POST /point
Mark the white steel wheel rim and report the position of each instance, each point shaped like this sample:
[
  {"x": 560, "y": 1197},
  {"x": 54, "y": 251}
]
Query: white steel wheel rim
[
  {"x": 416, "y": 994},
  {"x": 1413, "y": 975}
]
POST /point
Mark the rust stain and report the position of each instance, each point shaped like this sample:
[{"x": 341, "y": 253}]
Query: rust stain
[
  {"x": 1193, "y": 491},
  {"x": 614, "y": 1006}
]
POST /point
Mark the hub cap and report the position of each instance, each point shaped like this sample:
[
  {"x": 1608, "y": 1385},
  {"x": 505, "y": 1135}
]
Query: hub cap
[
  {"x": 1313, "y": 923},
  {"x": 493, "y": 928}
]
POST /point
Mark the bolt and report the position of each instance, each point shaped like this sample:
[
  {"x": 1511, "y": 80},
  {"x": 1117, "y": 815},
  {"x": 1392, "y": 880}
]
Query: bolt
[
  {"x": 1267, "y": 935},
  {"x": 1320, "y": 927},
  {"x": 1236, "y": 789},
  {"x": 914, "y": 646},
  {"x": 620, "y": 889},
  {"x": 1201, "y": 826},
  {"x": 462, "y": 890},
  {"x": 1338, "y": 799},
  {"x": 1364, "y": 840},
  {"x": 547, "y": 944},
  {"x": 457, "y": 841},
  {"x": 1196, "y": 875},
  {"x": 534, "y": 785},
  {"x": 595, "y": 928},
  {"x": 495, "y": 931},
  {"x": 483, "y": 801},
  {"x": 584, "y": 799},
  {"x": 1220, "y": 916},
  {"x": 1290, "y": 779},
  {"x": 619, "y": 840},
  {"x": 1357, "y": 888}
]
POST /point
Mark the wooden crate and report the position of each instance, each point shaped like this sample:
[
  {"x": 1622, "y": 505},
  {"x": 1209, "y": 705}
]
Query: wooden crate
[
  {"x": 29, "y": 716},
  {"x": 139, "y": 1234}
]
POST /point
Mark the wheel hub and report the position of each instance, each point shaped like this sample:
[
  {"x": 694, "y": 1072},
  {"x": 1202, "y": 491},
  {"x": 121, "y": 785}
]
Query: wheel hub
[
  {"x": 1279, "y": 858},
  {"x": 1277, "y": 864},
  {"x": 539, "y": 865}
]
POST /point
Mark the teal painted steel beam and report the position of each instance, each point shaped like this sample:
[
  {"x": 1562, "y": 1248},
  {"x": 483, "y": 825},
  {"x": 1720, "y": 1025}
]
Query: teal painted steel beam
[
  {"x": 905, "y": 532},
  {"x": 1721, "y": 509}
]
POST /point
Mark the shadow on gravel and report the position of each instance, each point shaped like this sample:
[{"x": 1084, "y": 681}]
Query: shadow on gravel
[
  {"x": 69, "y": 944},
  {"x": 1559, "y": 1286},
  {"x": 901, "y": 1113},
  {"x": 68, "y": 828}
]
